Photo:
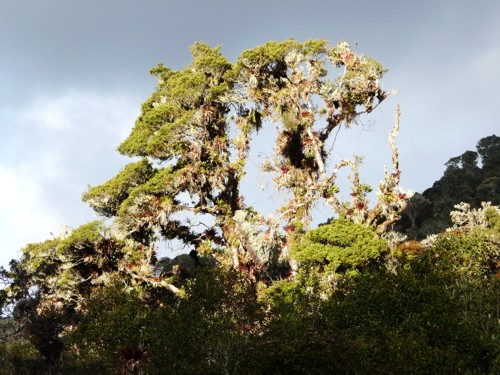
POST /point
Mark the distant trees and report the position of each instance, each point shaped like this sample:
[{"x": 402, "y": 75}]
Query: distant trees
[{"x": 473, "y": 177}]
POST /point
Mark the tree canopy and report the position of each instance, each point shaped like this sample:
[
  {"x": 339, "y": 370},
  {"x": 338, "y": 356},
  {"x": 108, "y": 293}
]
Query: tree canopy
[{"x": 194, "y": 136}]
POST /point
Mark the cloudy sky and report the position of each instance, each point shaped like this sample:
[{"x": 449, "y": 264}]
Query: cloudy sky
[{"x": 73, "y": 74}]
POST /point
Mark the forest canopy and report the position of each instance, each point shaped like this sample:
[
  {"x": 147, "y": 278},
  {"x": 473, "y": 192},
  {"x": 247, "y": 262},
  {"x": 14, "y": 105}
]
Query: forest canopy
[{"x": 254, "y": 293}]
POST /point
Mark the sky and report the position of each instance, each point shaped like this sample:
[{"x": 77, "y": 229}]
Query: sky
[{"x": 73, "y": 74}]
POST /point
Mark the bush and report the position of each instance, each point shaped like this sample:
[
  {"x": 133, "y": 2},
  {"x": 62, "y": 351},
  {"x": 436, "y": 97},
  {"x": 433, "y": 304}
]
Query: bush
[
  {"x": 113, "y": 322},
  {"x": 207, "y": 331},
  {"x": 340, "y": 246}
]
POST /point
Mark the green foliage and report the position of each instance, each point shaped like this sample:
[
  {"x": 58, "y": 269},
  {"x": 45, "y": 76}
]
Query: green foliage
[
  {"x": 472, "y": 255},
  {"x": 107, "y": 198},
  {"x": 166, "y": 125},
  {"x": 436, "y": 311},
  {"x": 113, "y": 319},
  {"x": 413, "y": 319},
  {"x": 401, "y": 317},
  {"x": 293, "y": 344},
  {"x": 298, "y": 298},
  {"x": 86, "y": 234},
  {"x": 207, "y": 332},
  {"x": 433, "y": 312},
  {"x": 339, "y": 246},
  {"x": 63, "y": 267},
  {"x": 493, "y": 218}
]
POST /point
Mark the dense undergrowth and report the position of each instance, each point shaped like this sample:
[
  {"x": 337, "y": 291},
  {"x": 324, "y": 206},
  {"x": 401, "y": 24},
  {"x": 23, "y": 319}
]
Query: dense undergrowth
[{"x": 419, "y": 309}]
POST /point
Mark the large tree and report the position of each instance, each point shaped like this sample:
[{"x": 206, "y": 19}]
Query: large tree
[{"x": 193, "y": 140}]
